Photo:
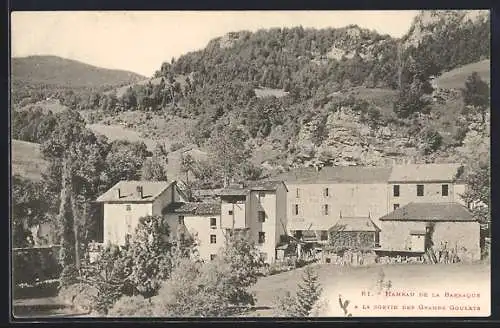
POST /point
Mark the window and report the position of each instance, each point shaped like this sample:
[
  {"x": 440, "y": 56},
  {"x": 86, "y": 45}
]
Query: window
[
  {"x": 230, "y": 212},
  {"x": 262, "y": 216},
  {"x": 323, "y": 235},
  {"x": 128, "y": 207},
  {"x": 296, "y": 209},
  {"x": 325, "y": 209},
  {"x": 213, "y": 239},
  {"x": 298, "y": 193},
  {"x": 444, "y": 190},
  {"x": 420, "y": 190},
  {"x": 395, "y": 190},
  {"x": 325, "y": 192},
  {"x": 262, "y": 237},
  {"x": 181, "y": 219},
  {"x": 396, "y": 206},
  {"x": 212, "y": 257},
  {"x": 213, "y": 223}
]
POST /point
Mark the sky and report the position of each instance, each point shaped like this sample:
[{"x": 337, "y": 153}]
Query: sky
[{"x": 141, "y": 41}]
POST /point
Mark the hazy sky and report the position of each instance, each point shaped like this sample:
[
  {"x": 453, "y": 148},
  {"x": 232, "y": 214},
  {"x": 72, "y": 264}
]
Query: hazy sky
[{"x": 141, "y": 41}]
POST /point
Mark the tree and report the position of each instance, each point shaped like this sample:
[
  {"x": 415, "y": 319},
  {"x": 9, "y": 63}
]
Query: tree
[
  {"x": 302, "y": 304},
  {"x": 478, "y": 192},
  {"x": 229, "y": 152},
  {"x": 432, "y": 141},
  {"x": 309, "y": 292},
  {"x": 476, "y": 94},
  {"x": 153, "y": 170},
  {"x": 150, "y": 255},
  {"x": 30, "y": 207},
  {"x": 240, "y": 262}
]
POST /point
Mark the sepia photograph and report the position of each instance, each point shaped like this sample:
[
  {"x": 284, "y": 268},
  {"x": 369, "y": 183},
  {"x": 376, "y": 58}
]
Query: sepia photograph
[{"x": 274, "y": 164}]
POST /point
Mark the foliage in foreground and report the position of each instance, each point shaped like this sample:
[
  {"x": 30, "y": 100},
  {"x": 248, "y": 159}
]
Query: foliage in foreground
[
  {"x": 302, "y": 304},
  {"x": 215, "y": 289}
]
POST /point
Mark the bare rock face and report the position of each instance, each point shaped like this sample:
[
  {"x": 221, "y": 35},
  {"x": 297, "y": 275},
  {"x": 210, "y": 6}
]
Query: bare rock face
[{"x": 432, "y": 21}]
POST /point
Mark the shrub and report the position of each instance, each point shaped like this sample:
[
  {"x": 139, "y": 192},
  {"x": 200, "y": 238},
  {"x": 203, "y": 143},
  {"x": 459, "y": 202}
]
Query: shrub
[
  {"x": 432, "y": 141},
  {"x": 79, "y": 296},
  {"x": 131, "y": 306},
  {"x": 286, "y": 306},
  {"x": 69, "y": 276},
  {"x": 176, "y": 146}
]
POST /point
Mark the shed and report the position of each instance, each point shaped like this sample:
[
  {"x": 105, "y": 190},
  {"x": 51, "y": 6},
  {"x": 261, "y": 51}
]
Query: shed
[{"x": 354, "y": 233}]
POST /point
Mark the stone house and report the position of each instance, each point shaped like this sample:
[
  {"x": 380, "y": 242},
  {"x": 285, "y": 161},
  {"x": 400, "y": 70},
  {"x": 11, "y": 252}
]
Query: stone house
[
  {"x": 317, "y": 199},
  {"x": 417, "y": 226},
  {"x": 430, "y": 183}
]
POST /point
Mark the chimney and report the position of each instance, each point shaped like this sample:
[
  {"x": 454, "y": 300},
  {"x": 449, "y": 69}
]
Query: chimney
[
  {"x": 139, "y": 191},
  {"x": 118, "y": 194}
]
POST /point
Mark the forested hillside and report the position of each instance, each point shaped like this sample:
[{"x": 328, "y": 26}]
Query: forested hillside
[
  {"x": 337, "y": 96},
  {"x": 37, "y": 77}
]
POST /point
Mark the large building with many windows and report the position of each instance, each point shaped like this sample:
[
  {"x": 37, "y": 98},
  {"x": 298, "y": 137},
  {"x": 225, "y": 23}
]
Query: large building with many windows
[{"x": 308, "y": 203}]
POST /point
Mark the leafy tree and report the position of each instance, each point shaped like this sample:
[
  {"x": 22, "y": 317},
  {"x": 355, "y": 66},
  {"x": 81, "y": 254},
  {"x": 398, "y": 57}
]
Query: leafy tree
[
  {"x": 29, "y": 208},
  {"x": 432, "y": 141},
  {"x": 229, "y": 152},
  {"x": 476, "y": 94},
  {"x": 478, "y": 192},
  {"x": 150, "y": 255},
  {"x": 109, "y": 276},
  {"x": 240, "y": 262},
  {"x": 153, "y": 169},
  {"x": 250, "y": 171},
  {"x": 123, "y": 162}
]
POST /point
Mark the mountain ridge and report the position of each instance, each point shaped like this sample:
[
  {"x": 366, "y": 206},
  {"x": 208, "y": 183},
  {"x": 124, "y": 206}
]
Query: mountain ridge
[{"x": 50, "y": 69}]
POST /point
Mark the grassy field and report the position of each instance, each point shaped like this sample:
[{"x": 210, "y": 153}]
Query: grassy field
[
  {"x": 118, "y": 132},
  {"x": 27, "y": 160},
  {"x": 267, "y": 92},
  {"x": 52, "y": 105},
  {"x": 455, "y": 78},
  {"x": 350, "y": 281}
]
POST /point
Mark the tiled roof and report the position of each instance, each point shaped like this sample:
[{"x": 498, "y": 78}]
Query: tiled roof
[
  {"x": 424, "y": 172},
  {"x": 201, "y": 208},
  {"x": 430, "y": 212},
  {"x": 337, "y": 174},
  {"x": 302, "y": 174},
  {"x": 233, "y": 192},
  {"x": 128, "y": 191},
  {"x": 355, "y": 174},
  {"x": 355, "y": 224},
  {"x": 264, "y": 185},
  {"x": 243, "y": 190}
]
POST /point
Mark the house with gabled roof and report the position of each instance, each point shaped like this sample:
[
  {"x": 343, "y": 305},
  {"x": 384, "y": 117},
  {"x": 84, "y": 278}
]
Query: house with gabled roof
[
  {"x": 418, "y": 226},
  {"x": 127, "y": 201}
]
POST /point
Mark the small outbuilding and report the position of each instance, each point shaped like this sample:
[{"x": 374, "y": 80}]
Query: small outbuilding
[{"x": 354, "y": 233}]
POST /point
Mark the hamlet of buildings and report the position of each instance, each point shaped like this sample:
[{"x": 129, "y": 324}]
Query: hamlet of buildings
[{"x": 396, "y": 209}]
